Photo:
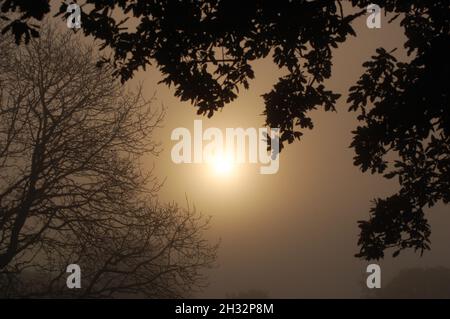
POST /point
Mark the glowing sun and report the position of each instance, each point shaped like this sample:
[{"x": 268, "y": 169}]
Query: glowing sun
[{"x": 222, "y": 165}]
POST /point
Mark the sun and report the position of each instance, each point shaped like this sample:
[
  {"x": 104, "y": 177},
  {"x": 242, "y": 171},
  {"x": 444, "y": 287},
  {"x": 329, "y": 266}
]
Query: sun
[{"x": 222, "y": 165}]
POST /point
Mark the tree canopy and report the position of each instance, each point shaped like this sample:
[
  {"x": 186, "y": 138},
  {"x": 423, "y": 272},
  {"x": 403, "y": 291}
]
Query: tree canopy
[{"x": 204, "y": 48}]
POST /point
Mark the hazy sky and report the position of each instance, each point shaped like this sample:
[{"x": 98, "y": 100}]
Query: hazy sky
[{"x": 292, "y": 234}]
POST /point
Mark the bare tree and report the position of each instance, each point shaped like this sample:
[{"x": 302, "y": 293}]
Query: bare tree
[{"x": 72, "y": 189}]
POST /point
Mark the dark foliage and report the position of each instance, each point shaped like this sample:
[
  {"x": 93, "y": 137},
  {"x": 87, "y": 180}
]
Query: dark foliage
[
  {"x": 24, "y": 10},
  {"x": 405, "y": 129}
]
